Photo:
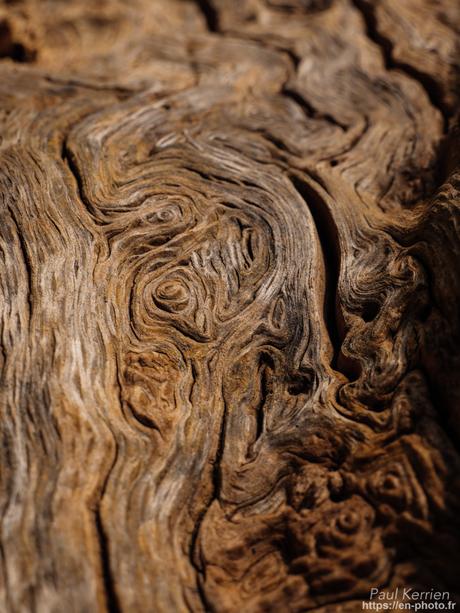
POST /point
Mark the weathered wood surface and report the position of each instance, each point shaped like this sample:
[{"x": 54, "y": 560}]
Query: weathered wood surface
[{"x": 229, "y": 303}]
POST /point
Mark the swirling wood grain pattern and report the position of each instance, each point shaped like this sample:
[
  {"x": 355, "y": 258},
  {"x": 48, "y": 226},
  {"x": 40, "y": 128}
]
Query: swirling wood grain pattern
[{"x": 229, "y": 249}]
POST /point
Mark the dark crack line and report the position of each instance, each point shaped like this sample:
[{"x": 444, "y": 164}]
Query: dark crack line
[
  {"x": 435, "y": 397},
  {"x": 122, "y": 93},
  {"x": 108, "y": 580},
  {"x": 194, "y": 557},
  {"x": 217, "y": 469},
  {"x": 429, "y": 84},
  {"x": 214, "y": 495},
  {"x": 329, "y": 243},
  {"x": 14, "y": 49},
  {"x": 69, "y": 159},
  {"x": 310, "y": 110},
  {"x": 208, "y": 607},
  {"x": 113, "y": 604},
  {"x": 210, "y": 14}
]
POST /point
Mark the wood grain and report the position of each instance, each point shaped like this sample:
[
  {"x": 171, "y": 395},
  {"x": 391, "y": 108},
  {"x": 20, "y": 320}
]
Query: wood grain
[{"x": 229, "y": 254}]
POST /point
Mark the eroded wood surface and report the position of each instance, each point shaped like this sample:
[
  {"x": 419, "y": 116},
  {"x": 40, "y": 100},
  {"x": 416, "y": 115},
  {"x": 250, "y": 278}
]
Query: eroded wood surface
[{"x": 229, "y": 285}]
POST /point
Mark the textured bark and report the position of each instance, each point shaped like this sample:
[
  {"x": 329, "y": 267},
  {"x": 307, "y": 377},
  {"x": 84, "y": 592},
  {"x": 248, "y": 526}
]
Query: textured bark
[{"x": 229, "y": 251}]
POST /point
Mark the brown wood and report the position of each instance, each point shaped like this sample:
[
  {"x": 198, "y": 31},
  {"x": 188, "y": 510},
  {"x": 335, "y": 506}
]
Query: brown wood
[{"x": 229, "y": 253}]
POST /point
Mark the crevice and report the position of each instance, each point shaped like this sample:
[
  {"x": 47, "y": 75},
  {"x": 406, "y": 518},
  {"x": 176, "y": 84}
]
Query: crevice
[
  {"x": 299, "y": 383},
  {"x": 295, "y": 59},
  {"x": 436, "y": 394},
  {"x": 329, "y": 242},
  {"x": 310, "y": 110},
  {"x": 210, "y": 14},
  {"x": 19, "y": 53},
  {"x": 14, "y": 49},
  {"x": 216, "y": 480},
  {"x": 113, "y": 605},
  {"x": 276, "y": 142},
  {"x": 144, "y": 420},
  {"x": 208, "y": 607},
  {"x": 69, "y": 159},
  {"x": 429, "y": 84},
  {"x": 195, "y": 559},
  {"x": 216, "y": 472},
  {"x": 442, "y": 166},
  {"x": 120, "y": 92},
  {"x": 266, "y": 370}
]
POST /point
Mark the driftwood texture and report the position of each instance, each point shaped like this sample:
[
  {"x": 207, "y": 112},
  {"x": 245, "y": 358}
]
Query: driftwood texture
[{"x": 229, "y": 303}]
